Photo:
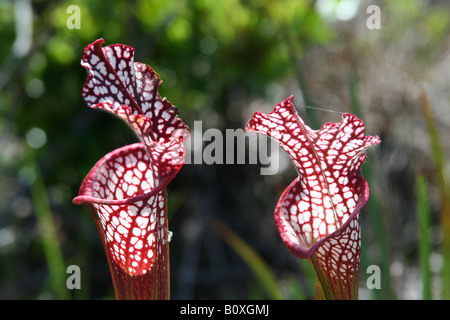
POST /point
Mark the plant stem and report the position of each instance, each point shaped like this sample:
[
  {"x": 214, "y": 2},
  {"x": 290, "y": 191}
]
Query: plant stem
[
  {"x": 331, "y": 284},
  {"x": 322, "y": 285}
]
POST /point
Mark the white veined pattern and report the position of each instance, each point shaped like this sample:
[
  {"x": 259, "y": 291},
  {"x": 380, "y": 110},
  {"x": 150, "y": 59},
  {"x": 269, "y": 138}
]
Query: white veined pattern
[
  {"x": 318, "y": 214},
  {"x": 126, "y": 189},
  {"x": 132, "y": 213}
]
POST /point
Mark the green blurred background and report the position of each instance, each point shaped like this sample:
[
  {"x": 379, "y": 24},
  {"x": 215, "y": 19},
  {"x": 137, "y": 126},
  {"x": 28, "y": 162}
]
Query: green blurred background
[{"x": 220, "y": 62}]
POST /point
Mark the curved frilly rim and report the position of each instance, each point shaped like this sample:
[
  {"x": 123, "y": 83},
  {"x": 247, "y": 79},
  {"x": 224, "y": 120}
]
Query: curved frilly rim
[{"x": 85, "y": 193}]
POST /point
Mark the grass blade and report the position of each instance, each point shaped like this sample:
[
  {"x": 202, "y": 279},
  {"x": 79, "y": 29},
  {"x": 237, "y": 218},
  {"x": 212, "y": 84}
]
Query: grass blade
[
  {"x": 50, "y": 242},
  {"x": 260, "y": 269},
  {"x": 424, "y": 238},
  {"x": 440, "y": 175}
]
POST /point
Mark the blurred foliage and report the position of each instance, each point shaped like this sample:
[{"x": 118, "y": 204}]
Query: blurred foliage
[{"x": 220, "y": 62}]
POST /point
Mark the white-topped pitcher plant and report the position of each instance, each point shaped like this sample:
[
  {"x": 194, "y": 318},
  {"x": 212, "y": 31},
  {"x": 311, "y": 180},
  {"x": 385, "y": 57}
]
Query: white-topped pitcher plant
[
  {"x": 126, "y": 189},
  {"x": 317, "y": 216}
]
